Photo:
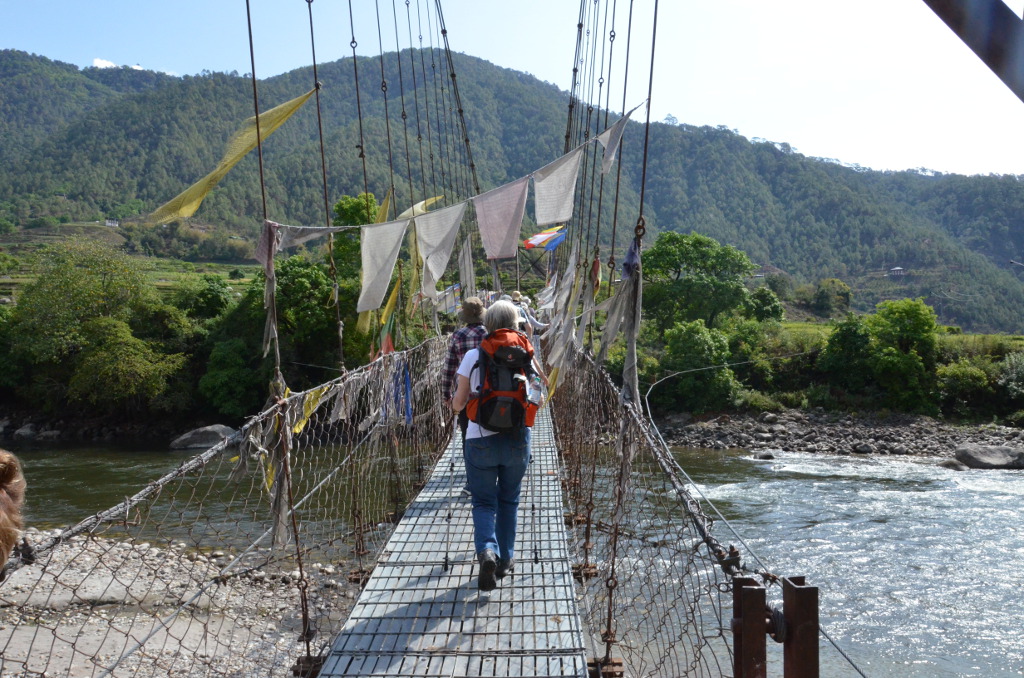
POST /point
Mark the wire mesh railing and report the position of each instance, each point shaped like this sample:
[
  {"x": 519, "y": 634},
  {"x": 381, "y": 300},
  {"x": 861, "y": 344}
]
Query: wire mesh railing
[
  {"x": 248, "y": 556},
  {"x": 655, "y": 596}
]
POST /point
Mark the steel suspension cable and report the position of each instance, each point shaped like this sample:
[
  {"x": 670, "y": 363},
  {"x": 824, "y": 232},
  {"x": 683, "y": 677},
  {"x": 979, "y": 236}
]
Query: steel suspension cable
[
  {"x": 426, "y": 97},
  {"x": 272, "y": 306},
  {"x": 618, "y": 164},
  {"x": 647, "y": 125},
  {"x": 359, "y": 110},
  {"x": 574, "y": 86},
  {"x": 416, "y": 100},
  {"x": 458, "y": 101},
  {"x": 333, "y": 269},
  {"x": 283, "y": 448},
  {"x": 387, "y": 114},
  {"x": 401, "y": 98}
]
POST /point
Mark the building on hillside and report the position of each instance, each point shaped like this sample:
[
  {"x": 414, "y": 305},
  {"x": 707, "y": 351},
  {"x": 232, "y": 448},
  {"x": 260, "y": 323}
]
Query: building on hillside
[
  {"x": 896, "y": 272},
  {"x": 113, "y": 223}
]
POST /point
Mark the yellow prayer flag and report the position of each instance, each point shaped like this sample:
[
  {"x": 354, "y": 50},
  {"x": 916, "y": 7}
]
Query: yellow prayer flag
[
  {"x": 392, "y": 302},
  {"x": 552, "y": 383},
  {"x": 309, "y": 405},
  {"x": 187, "y": 202},
  {"x": 364, "y": 322},
  {"x": 420, "y": 207},
  {"x": 385, "y": 206}
]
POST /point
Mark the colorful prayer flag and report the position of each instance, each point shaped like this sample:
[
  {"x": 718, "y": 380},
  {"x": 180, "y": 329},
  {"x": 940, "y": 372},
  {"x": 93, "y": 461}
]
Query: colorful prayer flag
[{"x": 545, "y": 237}]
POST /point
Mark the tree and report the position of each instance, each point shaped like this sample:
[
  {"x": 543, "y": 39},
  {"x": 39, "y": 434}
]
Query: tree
[
  {"x": 355, "y": 210},
  {"x": 78, "y": 282},
  {"x": 763, "y": 305},
  {"x": 8, "y": 264},
  {"x": 831, "y": 296},
  {"x": 206, "y": 297},
  {"x": 693, "y": 277},
  {"x": 117, "y": 372},
  {"x": 846, "y": 358},
  {"x": 230, "y": 383},
  {"x": 909, "y": 326},
  {"x": 780, "y": 283},
  {"x": 351, "y": 211}
]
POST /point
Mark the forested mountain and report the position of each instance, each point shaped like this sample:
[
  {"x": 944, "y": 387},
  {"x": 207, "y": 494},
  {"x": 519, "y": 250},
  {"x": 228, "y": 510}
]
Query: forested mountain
[{"x": 93, "y": 143}]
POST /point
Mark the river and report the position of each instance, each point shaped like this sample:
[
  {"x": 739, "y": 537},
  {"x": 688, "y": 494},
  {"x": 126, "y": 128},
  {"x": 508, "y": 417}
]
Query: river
[{"x": 916, "y": 564}]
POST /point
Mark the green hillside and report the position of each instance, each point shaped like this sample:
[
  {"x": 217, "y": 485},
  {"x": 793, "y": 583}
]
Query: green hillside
[{"x": 84, "y": 145}]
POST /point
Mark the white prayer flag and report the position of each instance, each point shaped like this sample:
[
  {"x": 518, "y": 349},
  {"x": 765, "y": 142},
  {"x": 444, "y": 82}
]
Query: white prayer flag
[
  {"x": 554, "y": 187},
  {"x": 610, "y": 139},
  {"x": 379, "y": 245},
  {"x": 499, "y": 214},
  {"x": 436, "y": 233}
]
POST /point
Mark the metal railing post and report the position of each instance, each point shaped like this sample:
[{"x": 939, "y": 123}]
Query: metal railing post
[
  {"x": 800, "y": 610},
  {"x": 749, "y": 627}
]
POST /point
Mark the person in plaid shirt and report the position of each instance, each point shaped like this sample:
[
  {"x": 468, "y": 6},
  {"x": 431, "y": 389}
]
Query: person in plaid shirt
[{"x": 463, "y": 340}]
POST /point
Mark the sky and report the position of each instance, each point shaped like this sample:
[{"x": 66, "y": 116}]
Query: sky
[{"x": 879, "y": 83}]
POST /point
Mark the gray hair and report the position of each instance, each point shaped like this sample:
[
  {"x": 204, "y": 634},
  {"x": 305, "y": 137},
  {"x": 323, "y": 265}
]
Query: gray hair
[{"x": 501, "y": 315}]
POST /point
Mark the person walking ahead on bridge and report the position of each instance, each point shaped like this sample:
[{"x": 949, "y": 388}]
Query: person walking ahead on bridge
[
  {"x": 463, "y": 340},
  {"x": 495, "y": 461}
]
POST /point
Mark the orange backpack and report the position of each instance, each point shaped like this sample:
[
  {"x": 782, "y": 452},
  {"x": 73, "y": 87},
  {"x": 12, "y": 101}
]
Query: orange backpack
[{"x": 506, "y": 367}]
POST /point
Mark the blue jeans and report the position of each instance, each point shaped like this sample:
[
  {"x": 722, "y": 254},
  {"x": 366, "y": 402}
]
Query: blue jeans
[{"x": 495, "y": 466}]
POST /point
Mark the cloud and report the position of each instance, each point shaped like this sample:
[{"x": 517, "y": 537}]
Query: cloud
[{"x": 103, "y": 63}]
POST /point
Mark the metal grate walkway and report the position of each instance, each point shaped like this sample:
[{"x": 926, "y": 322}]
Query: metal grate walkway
[{"x": 418, "y": 618}]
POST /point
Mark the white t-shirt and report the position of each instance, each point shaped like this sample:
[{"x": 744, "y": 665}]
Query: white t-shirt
[{"x": 474, "y": 430}]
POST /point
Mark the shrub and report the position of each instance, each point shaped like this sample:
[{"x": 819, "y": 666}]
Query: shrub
[
  {"x": 820, "y": 395},
  {"x": 792, "y": 399},
  {"x": 904, "y": 378},
  {"x": 964, "y": 389},
  {"x": 756, "y": 401},
  {"x": 1011, "y": 377},
  {"x": 698, "y": 355}
]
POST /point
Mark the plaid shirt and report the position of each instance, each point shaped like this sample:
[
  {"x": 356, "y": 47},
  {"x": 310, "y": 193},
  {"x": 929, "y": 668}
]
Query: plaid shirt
[{"x": 463, "y": 340}]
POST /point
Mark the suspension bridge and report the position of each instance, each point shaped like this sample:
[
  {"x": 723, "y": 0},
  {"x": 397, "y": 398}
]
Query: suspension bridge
[
  {"x": 328, "y": 536},
  {"x": 245, "y": 559}
]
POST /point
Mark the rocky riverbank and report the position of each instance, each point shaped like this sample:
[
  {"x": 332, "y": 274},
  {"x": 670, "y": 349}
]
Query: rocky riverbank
[
  {"x": 817, "y": 431},
  {"x": 80, "y": 606},
  {"x": 33, "y": 428}
]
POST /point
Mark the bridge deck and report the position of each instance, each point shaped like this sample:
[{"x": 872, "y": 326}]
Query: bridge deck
[{"x": 417, "y": 617}]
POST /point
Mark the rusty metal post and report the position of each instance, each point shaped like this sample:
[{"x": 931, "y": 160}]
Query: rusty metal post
[
  {"x": 749, "y": 628},
  {"x": 800, "y": 609}
]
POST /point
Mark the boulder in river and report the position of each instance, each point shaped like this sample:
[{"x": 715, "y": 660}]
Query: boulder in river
[
  {"x": 202, "y": 438},
  {"x": 954, "y": 465},
  {"x": 26, "y": 432},
  {"x": 990, "y": 457}
]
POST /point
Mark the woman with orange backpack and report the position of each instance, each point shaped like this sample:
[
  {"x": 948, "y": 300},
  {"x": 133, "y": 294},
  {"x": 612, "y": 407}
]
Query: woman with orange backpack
[{"x": 493, "y": 384}]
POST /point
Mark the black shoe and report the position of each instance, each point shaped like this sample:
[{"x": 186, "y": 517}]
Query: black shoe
[
  {"x": 488, "y": 564},
  {"x": 505, "y": 567},
  {"x": 465, "y": 491}
]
